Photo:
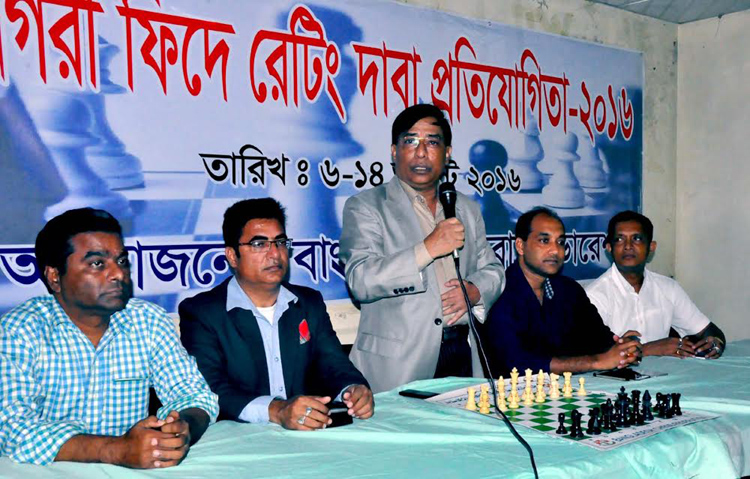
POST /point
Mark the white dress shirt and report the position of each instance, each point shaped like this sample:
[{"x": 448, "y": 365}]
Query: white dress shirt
[{"x": 660, "y": 304}]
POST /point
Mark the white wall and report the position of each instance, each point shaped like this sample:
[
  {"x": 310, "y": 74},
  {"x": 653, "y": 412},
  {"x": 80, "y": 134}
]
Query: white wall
[
  {"x": 713, "y": 169},
  {"x": 610, "y": 26}
]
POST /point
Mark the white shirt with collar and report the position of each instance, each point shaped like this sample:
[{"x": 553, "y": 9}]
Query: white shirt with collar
[{"x": 660, "y": 304}]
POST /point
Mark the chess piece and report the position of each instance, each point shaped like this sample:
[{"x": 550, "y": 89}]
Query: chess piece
[
  {"x": 540, "y": 394},
  {"x": 108, "y": 158},
  {"x": 471, "y": 404},
  {"x": 676, "y": 404},
  {"x": 513, "y": 402},
  {"x": 590, "y": 170},
  {"x": 523, "y": 160},
  {"x": 501, "y": 404},
  {"x": 567, "y": 388},
  {"x": 648, "y": 415},
  {"x": 62, "y": 121},
  {"x": 581, "y": 387},
  {"x": 563, "y": 190},
  {"x": 484, "y": 402},
  {"x": 554, "y": 386},
  {"x": 501, "y": 385},
  {"x": 514, "y": 376},
  {"x": 561, "y": 427}
]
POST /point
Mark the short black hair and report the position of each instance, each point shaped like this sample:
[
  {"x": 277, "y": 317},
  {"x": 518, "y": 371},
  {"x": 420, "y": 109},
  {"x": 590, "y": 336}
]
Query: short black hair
[
  {"x": 238, "y": 215},
  {"x": 629, "y": 215},
  {"x": 53, "y": 243},
  {"x": 523, "y": 225},
  {"x": 409, "y": 117}
]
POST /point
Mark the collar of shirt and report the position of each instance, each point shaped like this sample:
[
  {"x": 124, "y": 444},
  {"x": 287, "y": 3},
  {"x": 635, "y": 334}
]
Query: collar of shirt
[
  {"x": 118, "y": 322},
  {"x": 417, "y": 199},
  {"x": 516, "y": 280},
  {"x": 236, "y": 298},
  {"x": 622, "y": 284}
]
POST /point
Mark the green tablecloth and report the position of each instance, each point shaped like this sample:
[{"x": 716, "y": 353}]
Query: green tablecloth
[{"x": 414, "y": 439}]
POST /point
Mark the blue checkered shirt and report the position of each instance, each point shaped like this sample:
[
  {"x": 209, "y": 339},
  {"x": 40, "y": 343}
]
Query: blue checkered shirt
[{"x": 56, "y": 384}]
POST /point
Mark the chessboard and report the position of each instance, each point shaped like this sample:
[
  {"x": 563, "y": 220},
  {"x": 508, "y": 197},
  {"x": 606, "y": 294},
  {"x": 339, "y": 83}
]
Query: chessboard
[{"x": 543, "y": 417}]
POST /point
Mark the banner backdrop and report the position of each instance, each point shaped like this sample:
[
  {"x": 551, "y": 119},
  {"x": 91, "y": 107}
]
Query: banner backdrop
[{"x": 165, "y": 113}]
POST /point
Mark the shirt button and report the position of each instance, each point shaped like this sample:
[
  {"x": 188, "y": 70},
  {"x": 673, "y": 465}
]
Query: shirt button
[
  {"x": 438, "y": 321},
  {"x": 276, "y": 359}
]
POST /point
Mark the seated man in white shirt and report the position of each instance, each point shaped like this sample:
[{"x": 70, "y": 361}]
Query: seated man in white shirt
[{"x": 629, "y": 296}]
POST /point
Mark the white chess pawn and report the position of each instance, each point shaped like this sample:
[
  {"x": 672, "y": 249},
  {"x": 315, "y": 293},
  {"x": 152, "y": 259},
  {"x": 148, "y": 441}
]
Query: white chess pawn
[
  {"x": 590, "y": 170},
  {"x": 567, "y": 387},
  {"x": 554, "y": 386},
  {"x": 108, "y": 157},
  {"x": 581, "y": 387},
  {"x": 62, "y": 121},
  {"x": 523, "y": 159},
  {"x": 564, "y": 190},
  {"x": 471, "y": 402}
]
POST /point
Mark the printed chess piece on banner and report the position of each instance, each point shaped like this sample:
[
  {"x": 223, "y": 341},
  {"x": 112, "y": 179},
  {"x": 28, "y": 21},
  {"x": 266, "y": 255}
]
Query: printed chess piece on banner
[
  {"x": 108, "y": 157},
  {"x": 471, "y": 400},
  {"x": 27, "y": 172},
  {"x": 590, "y": 170},
  {"x": 563, "y": 190},
  {"x": 523, "y": 159},
  {"x": 62, "y": 122}
]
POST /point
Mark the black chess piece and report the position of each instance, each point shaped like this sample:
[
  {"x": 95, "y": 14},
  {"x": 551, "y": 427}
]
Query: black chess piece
[
  {"x": 627, "y": 416},
  {"x": 676, "y": 404},
  {"x": 660, "y": 411},
  {"x": 669, "y": 414},
  {"x": 647, "y": 414},
  {"x": 576, "y": 431},
  {"x": 597, "y": 428},
  {"x": 561, "y": 428}
]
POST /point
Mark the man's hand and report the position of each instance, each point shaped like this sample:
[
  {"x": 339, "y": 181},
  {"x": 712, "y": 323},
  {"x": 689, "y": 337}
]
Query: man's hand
[
  {"x": 301, "y": 412},
  {"x": 679, "y": 348},
  {"x": 454, "y": 306},
  {"x": 713, "y": 345},
  {"x": 145, "y": 446},
  {"x": 447, "y": 236},
  {"x": 626, "y": 351},
  {"x": 359, "y": 400},
  {"x": 172, "y": 450}
]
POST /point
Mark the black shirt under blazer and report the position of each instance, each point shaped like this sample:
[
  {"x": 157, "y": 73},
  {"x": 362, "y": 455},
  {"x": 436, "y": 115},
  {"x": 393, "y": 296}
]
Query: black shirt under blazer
[{"x": 229, "y": 349}]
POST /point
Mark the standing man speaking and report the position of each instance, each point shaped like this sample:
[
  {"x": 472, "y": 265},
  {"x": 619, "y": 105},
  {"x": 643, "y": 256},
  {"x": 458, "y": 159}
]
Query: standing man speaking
[{"x": 397, "y": 248}]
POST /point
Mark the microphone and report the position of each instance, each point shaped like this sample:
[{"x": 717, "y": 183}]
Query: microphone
[{"x": 447, "y": 196}]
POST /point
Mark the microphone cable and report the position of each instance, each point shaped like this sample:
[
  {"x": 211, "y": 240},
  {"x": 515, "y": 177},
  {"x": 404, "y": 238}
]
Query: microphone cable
[{"x": 489, "y": 377}]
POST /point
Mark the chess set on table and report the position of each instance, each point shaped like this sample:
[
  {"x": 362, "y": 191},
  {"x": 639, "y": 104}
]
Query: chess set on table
[{"x": 612, "y": 419}]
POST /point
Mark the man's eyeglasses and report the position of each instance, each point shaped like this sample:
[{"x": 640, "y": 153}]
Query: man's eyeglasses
[
  {"x": 431, "y": 142},
  {"x": 261, "y": 246}
]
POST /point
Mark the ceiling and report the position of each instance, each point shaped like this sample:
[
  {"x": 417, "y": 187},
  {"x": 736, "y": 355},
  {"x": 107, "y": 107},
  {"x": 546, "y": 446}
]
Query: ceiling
[{"x": 679, "y": 11}]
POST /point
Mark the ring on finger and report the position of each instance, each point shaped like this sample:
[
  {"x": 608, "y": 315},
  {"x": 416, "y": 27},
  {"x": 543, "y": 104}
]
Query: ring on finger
[
  {"x": 301, "y": 420},
  {"x": 308, "y": 411}
]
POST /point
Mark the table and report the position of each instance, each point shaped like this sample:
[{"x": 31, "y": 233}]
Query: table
[{"x": 413, "y": 439}]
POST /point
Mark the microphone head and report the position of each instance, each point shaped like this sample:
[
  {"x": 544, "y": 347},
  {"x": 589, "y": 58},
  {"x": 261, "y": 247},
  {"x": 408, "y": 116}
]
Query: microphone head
[{"x": 447, "y": 196}]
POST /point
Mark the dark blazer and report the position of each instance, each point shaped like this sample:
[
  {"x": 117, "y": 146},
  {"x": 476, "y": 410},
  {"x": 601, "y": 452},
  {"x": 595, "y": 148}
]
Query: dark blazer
[{"x": 229, "y": 349}]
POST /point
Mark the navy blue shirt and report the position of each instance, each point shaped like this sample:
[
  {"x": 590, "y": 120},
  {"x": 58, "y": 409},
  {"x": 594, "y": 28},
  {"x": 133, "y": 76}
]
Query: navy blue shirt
[{"x": 522, "y": 333}]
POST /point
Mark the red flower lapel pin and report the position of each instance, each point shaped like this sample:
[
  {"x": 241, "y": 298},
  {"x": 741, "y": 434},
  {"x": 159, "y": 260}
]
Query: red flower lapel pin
[{"x": 304, "y": 332}]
